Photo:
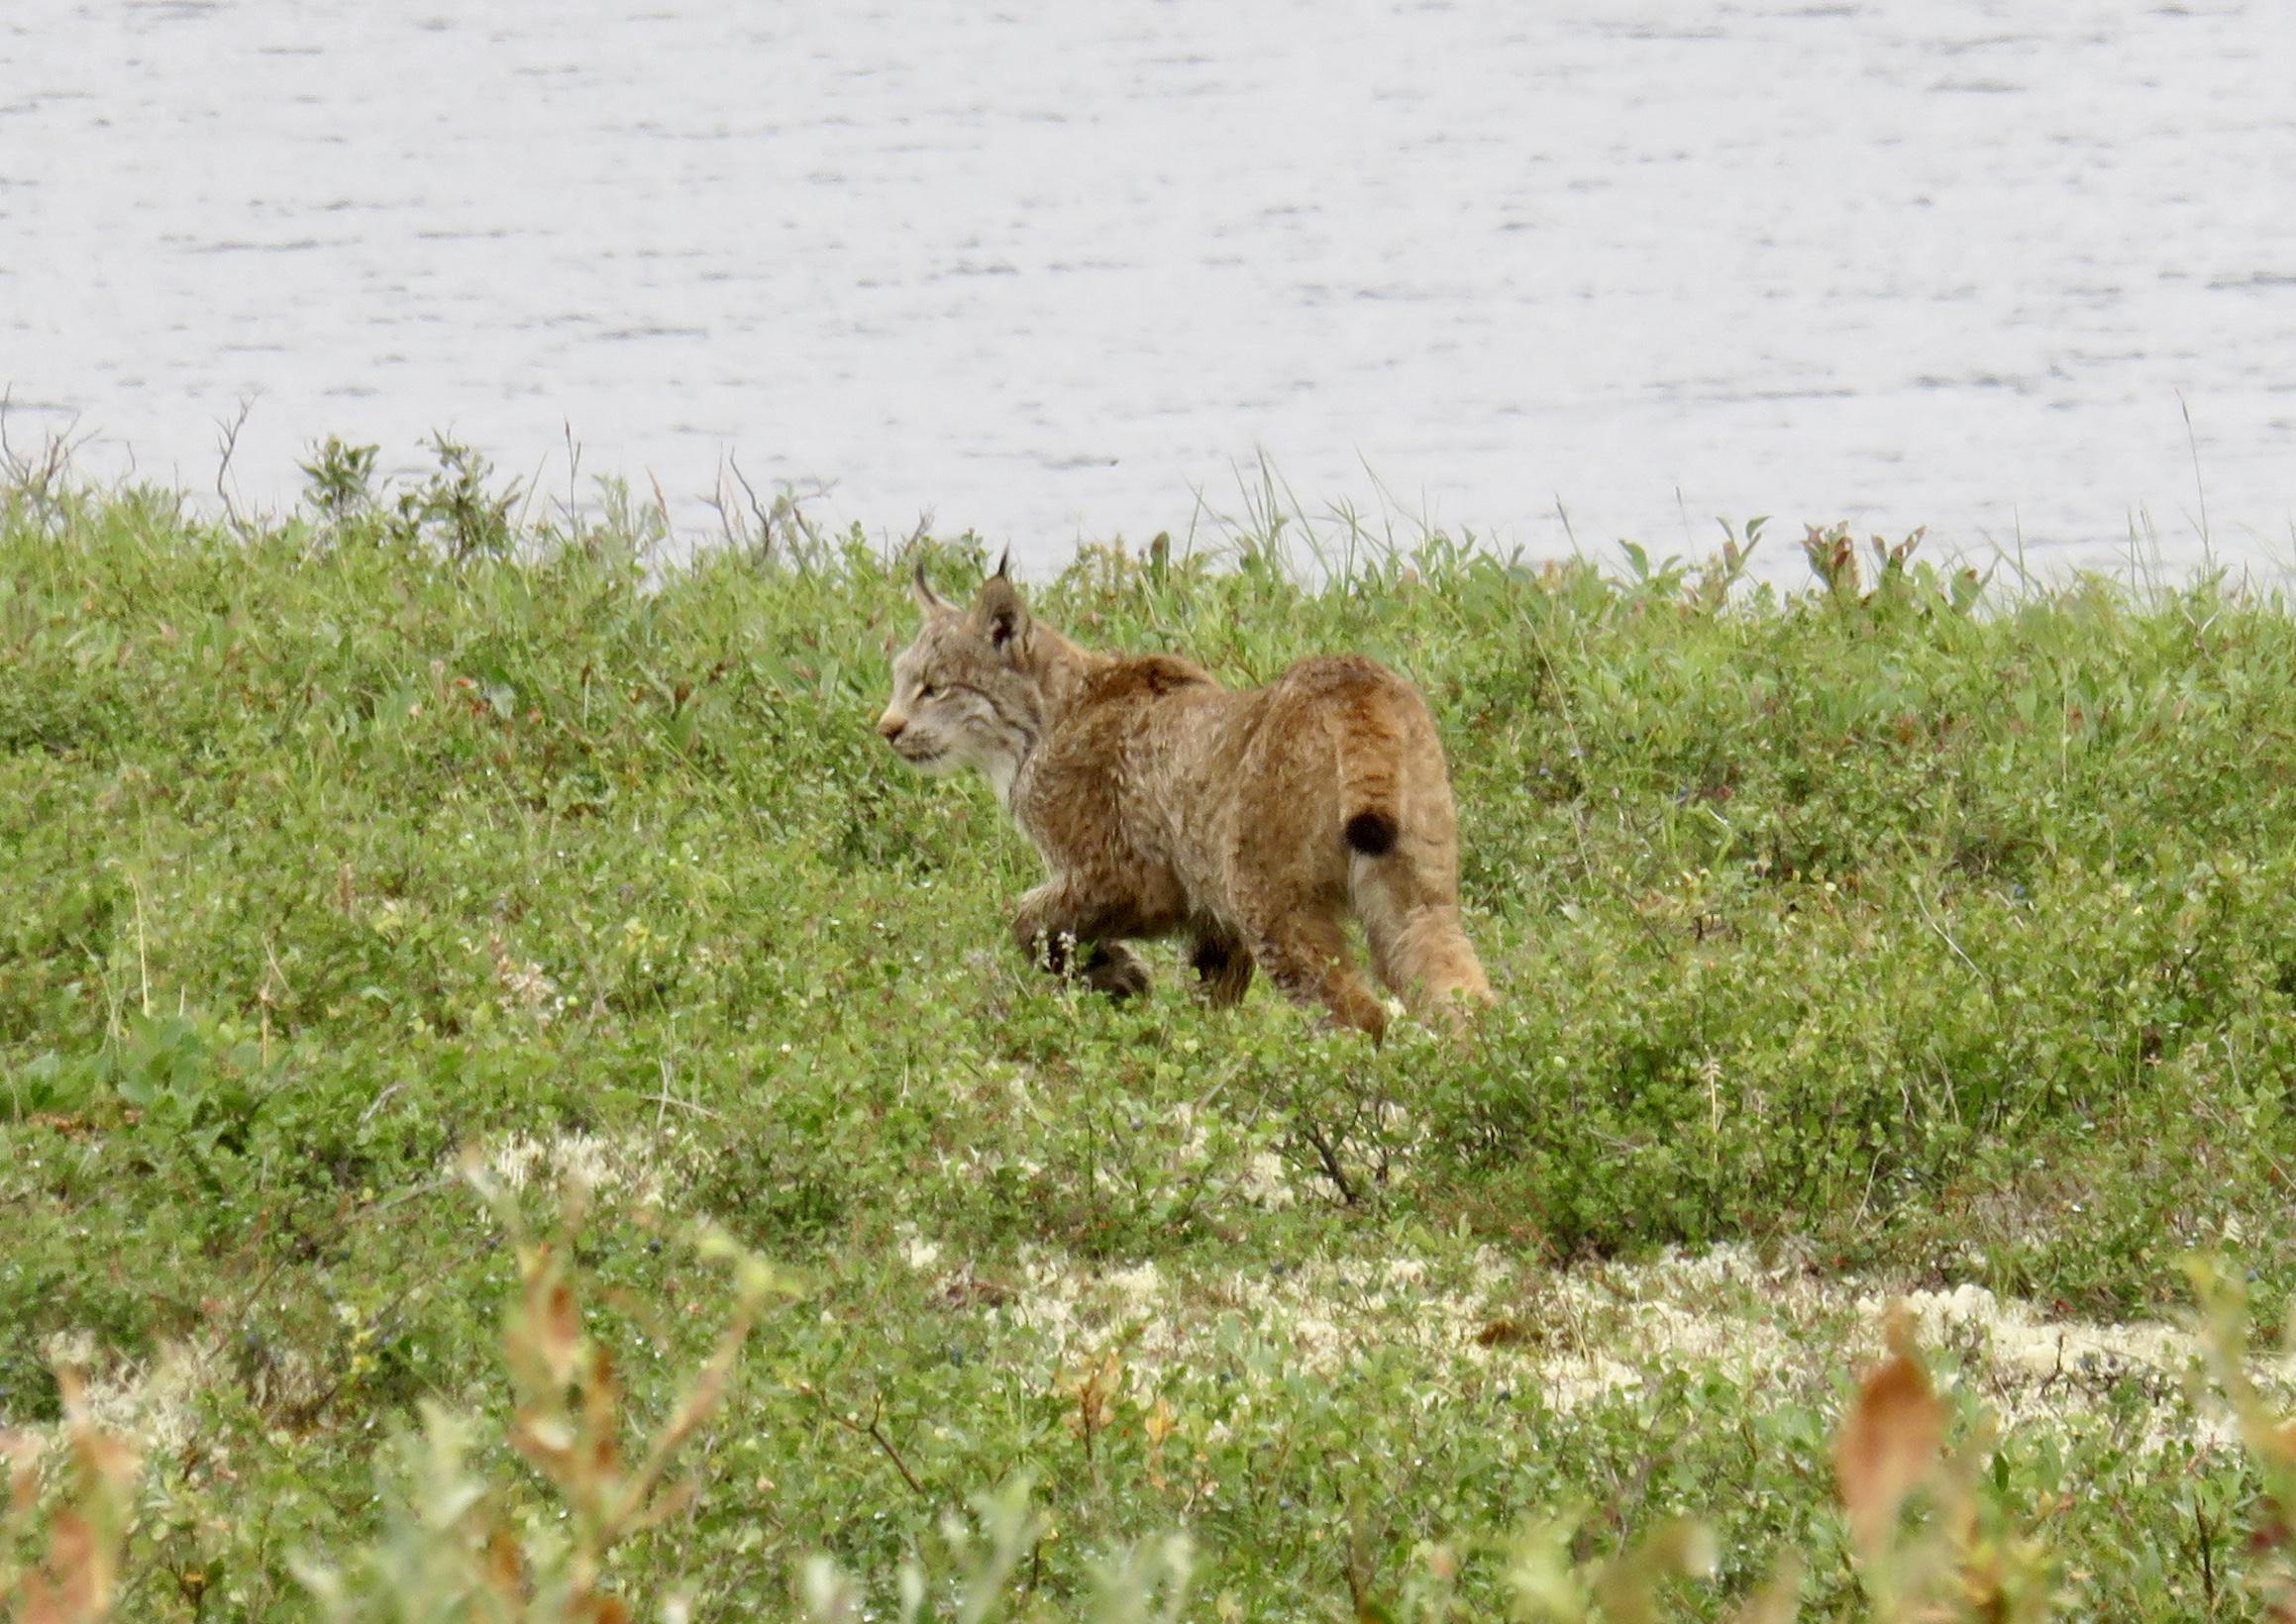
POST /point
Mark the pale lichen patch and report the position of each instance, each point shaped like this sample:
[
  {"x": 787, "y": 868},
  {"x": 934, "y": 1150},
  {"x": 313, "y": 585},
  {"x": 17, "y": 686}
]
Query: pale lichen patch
[
  {"x": 1593, "y": 1334},
  {"x": 151, "y": 1404},
  {"x": 627, "y": 1165}
]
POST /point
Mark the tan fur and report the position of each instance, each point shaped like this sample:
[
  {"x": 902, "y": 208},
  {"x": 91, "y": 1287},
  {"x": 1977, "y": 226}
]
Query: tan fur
[{"x": 1166, "y": 805}]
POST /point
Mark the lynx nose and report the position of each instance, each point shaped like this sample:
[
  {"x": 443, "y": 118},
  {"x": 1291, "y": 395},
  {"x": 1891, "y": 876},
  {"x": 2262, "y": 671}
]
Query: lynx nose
[{"x": 890, "y": 726}]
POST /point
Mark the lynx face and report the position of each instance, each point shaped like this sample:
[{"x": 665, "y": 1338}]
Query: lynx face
[{"x": 963, "y": 693}]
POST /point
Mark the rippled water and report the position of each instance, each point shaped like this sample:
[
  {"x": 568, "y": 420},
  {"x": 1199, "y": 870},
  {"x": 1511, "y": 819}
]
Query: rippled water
[{"x": 1054, "y": 272}]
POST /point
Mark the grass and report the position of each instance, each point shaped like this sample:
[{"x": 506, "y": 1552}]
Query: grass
[{"x": 1892, "y": 935}]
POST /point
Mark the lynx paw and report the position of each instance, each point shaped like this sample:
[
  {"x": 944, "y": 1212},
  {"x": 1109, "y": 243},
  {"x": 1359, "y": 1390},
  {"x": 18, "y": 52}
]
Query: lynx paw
[{"x": 1117, "y": 970}]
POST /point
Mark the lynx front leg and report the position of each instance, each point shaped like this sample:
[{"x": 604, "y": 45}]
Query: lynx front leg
[
  {"x": 1061, "y": 932},
  {"x": 1223, "y": 968}
]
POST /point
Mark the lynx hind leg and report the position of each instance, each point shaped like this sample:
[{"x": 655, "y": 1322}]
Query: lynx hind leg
[
  {"x": 1306, "y": 954},
  {"x": 1417, "y": 946},
  {"x": 1223, "y": 968},
  {"x": 1432, "y": 965}
]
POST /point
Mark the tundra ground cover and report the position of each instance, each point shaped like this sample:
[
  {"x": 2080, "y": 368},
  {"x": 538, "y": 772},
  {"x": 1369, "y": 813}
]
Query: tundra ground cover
[{"x": 1902, "y": 934}]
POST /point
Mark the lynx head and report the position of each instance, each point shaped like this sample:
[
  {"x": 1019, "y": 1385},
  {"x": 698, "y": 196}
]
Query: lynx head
[{"x": 970, "y": 692}]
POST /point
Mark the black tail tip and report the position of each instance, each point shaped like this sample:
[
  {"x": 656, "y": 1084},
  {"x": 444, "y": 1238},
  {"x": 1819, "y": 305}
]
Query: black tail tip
[{"x": 1372, "y": 833}]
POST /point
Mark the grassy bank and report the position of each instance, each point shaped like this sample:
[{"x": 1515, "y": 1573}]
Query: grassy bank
[{"x": 1883, "y": 937}]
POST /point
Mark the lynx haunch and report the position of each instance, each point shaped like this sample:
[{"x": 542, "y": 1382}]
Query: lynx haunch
[{"x": 1249, "y": 823}]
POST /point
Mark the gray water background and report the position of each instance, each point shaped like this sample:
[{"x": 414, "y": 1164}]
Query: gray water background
[{"x": 1066, "y": 272}]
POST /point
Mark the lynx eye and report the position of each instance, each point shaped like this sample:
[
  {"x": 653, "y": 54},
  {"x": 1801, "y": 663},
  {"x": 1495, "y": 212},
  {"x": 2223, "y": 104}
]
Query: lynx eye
[{"x": 926, "y": 691}]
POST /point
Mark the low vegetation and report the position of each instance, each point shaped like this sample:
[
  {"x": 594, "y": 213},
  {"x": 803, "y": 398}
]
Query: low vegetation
[{"x": 1907, "y": 936}]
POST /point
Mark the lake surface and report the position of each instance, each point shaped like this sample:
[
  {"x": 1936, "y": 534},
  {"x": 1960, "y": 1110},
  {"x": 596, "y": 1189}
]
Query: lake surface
[{"x": 1063, "y": 272}]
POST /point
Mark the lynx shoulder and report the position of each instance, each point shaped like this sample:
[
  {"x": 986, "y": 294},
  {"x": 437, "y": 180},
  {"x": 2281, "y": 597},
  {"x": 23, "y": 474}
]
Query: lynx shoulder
[{"x": 1251, "y": 824}]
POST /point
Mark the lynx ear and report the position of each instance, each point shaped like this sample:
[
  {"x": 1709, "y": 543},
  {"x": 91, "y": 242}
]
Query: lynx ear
[
  {"x": 930, "y": 601},
  {"x": 999, "y": 615}
]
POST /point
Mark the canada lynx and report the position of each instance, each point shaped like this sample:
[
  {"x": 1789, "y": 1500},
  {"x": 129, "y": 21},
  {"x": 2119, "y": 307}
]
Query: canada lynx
[{"x": 1166, "y": 805}]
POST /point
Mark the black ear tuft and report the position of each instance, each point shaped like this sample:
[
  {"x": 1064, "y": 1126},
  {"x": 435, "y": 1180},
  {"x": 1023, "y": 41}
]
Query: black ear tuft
[
  {"x": 921, "y": 589},
  {"x": 999, "y": 615},
  {"x": 1004, "y": 565}
]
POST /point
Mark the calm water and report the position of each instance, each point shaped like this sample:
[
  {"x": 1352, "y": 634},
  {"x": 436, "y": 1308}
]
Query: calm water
[{"x": 1058, "y": 271}]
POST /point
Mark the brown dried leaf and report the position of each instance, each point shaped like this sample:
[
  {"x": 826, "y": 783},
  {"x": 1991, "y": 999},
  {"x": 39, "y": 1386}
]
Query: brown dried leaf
[
  {"x": 77, "y": 1583},
  {"x": 41, "y": 1606},
  {"x": 22, "y": 1453},
  {"x": 559, "y": 1329},
  {"x": 547, "y": 1445},
  {"x": 1888, "y": 1446},
  {"x": 1159, "y": 1424},
  {"x": 506, "y": 1567}
]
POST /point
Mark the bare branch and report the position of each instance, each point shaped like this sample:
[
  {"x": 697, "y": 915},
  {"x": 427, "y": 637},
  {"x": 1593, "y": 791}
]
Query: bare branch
[
  {"x": 1331, "y": 1159},
  {"x": 228, "y": 444},
  {"x": 874, "y": 1431},
  {"x": 762, "y": 513},
  {"x": 40, "y": 476}
]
